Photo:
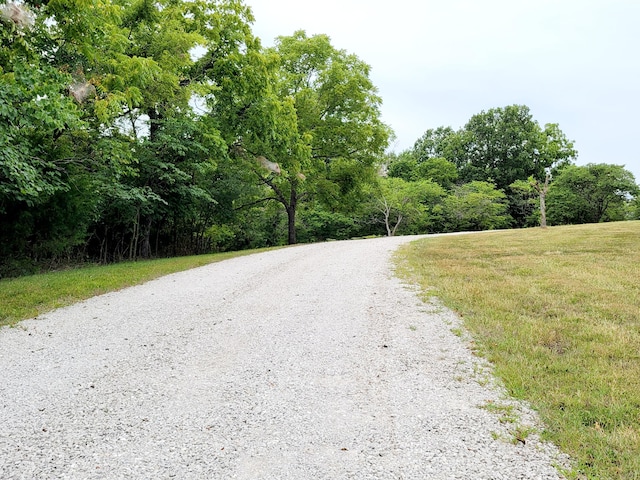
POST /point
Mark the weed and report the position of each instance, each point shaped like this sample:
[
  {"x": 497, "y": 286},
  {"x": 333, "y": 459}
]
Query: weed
[
  {"x": 521, "y": 433},
  {"x": 506, "y": 413}
]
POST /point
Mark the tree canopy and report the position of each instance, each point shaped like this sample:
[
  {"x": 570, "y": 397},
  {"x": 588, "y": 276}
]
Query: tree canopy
[
  {"x": 500, "y": 146},
  {"x": 590, "y": 194},
  {"x": 315, "y": 133},
  {"x": 407, "y": 206}
]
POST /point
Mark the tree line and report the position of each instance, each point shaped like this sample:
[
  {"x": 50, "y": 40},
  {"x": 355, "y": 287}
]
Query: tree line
[
  {"x": 504, "y": 170},
  {"x": 138, "y": 129}
]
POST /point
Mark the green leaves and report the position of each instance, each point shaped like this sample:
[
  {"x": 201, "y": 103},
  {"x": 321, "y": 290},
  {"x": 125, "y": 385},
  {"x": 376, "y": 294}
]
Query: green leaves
[
  {"x": 590, "y": 194},
  {"x": 335, "y": 100},
  {"x": 438, "y": 169},
  {"x": 306, "y": 108},
  {"x": 500, "y": 146},
  {"x": 407, "y": 206},
  {"x": 96, "y": 111},
  {"x": 34, "y": 114},
  {"x": 476, "y": 206}
]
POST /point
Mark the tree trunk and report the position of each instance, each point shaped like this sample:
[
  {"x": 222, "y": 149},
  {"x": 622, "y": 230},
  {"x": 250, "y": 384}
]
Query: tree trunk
[
  {"x": 543, "y": 209},
  {"x": 543, "y": 200},
  {"x": 291, "y": 207},
  {"x": 291, "y": 214},
  {"x": 386, "y": 211},
  {"x": 145, "y": 248},
  {"x": 133, "y": 247},
  {"x": 291, "y": 218},
  {"x": 395, "y": 227}
]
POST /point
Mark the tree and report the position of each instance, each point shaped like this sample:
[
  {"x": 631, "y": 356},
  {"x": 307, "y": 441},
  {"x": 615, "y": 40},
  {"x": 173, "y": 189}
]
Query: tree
[
  {"x": 109, "y": 146},
  {"x": 435, "y": 143},
  {"x": 633, "y": 212},
  {"x": 475, "y": 206},
  {"x": 176, "y": 150},
  {"x": 337, "y": 110},
  {"x": 439, "y": 170},
  {"x": 317, "y": 224},
  {"x": 524, "y": 202},
  {"x": 268, "y": 143},
  {"x": 49, "y": 163},
  {"x": 499, "y": 146},
  {"x": 314, "y": 130},
  {"x": 400, "y": 202},
  {"x": 36, "y": 113},
  {"x": 542, "y": 189},
  {"x": 402, "y": 166},
  {"x": 507, "y": 144},
  {"x": 590, "y": 194},
  {"x": 145, "y": 81}
]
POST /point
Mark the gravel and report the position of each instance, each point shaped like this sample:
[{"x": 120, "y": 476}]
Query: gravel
[{"x": 311, "y": 362}]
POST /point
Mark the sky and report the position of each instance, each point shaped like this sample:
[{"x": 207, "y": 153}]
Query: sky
[{"x": 439, "y": 62}]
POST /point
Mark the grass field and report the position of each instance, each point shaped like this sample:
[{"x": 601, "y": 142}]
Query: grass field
[
  {"x": 557, "y": 311},
  {"x": 28, "y": 297}
]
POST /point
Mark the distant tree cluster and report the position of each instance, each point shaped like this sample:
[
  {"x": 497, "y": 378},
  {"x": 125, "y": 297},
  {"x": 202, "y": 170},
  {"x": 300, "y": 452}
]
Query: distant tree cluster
[
  {"x": 502, "y": 169},
  {"x": 135, "y": 128}
]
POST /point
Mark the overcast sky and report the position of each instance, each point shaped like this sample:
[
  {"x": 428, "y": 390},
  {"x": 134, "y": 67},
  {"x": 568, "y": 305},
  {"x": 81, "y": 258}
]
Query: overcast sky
[{"x": 438, "y": 62}]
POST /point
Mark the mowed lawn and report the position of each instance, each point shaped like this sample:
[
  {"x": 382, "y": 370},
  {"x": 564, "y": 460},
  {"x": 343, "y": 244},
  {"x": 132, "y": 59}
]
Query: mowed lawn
[{"x": 557, "y": 311}]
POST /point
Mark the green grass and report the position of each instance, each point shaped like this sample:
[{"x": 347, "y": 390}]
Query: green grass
[
  {"x": 28, "y": 297},
  {"x": 557, "y": 311}
]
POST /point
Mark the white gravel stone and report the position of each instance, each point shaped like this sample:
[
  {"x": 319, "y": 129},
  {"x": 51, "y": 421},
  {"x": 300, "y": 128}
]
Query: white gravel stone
[{"x": 311, "y": 362}]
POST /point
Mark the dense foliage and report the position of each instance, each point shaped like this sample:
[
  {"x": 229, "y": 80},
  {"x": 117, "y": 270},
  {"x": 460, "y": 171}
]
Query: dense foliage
[
  {"x": 591, "y": 194},
  {"x": 136, "y": 128},
  {"x": 502, "y": 169}
]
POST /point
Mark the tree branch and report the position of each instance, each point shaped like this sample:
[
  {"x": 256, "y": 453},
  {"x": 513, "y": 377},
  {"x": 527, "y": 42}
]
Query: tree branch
[
  {"x": 257, "y": 202},
  {"x": 269, "y": 183}
]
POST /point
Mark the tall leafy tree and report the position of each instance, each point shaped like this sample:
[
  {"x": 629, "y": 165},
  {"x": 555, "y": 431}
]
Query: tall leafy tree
[
  {"x": 501, "y": 146},
  {"x": 304, "y": 119},
  {"x": 403, "y": 165},
  {"x": 435, "y": 143},
  {"x": 337, "y": 113},
  {"x": 261, "y": 130},
  {"x": 439, "y": 170},
  {"x": 170, "y": 194},
  {"x": 507, "y": 144},
  {"x": 36, "y": 113},
  {"x": 101, "y": 94},
  {"x": 49, "y": 165}
]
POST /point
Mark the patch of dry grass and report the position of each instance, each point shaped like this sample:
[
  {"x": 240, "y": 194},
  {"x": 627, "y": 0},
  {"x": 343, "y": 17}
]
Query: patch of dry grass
[{"x": 558, "y": 313}]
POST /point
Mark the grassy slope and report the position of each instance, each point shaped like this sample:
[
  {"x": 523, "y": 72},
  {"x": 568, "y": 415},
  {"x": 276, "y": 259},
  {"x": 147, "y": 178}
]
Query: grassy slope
[
  {"x": 27, "y": 297},
  {"x": 558, "y": 313}
]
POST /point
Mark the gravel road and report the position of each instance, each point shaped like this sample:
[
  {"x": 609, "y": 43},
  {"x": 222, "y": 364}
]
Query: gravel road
[{"x": 311, "y": 362}]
